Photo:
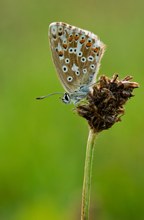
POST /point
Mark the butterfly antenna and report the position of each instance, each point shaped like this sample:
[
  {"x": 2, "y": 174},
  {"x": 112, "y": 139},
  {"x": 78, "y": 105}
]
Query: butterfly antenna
[{"x": 46, "y": 96}]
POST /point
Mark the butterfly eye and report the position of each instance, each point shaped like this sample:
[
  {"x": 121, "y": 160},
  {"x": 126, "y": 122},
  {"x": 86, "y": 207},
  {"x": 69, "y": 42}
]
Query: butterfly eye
[
  {"x": 66, "y": 98},
  {"x": 69, "y": 78},
  {"x": 65, "y": 69}
]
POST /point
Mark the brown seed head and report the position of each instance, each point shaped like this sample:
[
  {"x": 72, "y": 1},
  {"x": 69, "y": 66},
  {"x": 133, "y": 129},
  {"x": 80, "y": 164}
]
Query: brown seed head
[{"x": 104, "y": 104}]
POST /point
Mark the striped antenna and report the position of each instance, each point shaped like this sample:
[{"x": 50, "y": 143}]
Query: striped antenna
[{"x": 46, "y": 96}]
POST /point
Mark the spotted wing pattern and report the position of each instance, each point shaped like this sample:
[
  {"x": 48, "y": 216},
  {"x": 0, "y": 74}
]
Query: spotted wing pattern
[{"x": 76, "y": 54}]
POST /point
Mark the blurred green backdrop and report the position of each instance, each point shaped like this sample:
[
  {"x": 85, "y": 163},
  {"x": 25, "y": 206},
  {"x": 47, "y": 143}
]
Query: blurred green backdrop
[{"x": 42, "y": 144}]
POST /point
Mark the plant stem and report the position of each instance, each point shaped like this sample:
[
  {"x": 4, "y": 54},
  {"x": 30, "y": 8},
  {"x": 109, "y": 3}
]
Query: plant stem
[{"x": 87, "y": 176}]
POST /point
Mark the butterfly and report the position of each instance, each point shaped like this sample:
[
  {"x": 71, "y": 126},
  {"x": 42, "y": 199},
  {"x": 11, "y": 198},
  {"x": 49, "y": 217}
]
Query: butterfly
[{"x": 76, "y": 54}]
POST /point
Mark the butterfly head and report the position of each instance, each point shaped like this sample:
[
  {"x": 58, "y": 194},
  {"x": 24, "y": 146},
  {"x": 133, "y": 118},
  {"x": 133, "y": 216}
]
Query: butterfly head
[
  {"x": 66, "y": 98},
  {"x": 76, "y": 96}
]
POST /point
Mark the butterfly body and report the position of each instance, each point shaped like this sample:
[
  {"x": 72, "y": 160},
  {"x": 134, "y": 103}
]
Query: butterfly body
[
  {"x": 76, "y": 96},
  {"x": 76, "y": 54}
]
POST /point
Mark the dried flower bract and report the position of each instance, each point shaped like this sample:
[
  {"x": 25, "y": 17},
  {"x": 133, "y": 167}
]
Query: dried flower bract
[{"x": 104, "y": 104}]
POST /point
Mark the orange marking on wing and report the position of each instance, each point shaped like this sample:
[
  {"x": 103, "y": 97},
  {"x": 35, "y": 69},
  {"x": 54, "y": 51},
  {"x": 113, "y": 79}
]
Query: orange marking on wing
[
  {"x": 70, "y": 38},
  {"x": 88, "y": 44},
  {"x": 60, "y": 53},
  {"x": 82, "y": 41},
  {"x": 96, "y": 49},
  {"x": 76, "y": 37},
  {"x": 65, "y": 46}
]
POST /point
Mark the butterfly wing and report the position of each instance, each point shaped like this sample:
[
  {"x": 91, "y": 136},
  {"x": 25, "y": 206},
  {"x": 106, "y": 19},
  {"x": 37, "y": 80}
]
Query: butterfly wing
[{"x": 76, "y": 54}]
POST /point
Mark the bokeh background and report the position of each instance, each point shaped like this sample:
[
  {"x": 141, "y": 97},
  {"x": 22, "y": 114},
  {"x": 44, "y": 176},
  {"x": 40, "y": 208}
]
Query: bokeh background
[{"x": 42, "y": 143}]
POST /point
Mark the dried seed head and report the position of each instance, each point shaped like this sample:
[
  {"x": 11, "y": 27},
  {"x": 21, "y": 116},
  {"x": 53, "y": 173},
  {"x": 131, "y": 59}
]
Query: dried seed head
[{"x": 104, "y": 104}]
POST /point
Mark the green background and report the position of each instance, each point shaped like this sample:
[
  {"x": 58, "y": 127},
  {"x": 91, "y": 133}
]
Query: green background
[{"x": 42, "y": 143}]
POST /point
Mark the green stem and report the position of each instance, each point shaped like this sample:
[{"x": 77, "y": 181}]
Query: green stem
[{"x": 87, "y": 176}]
